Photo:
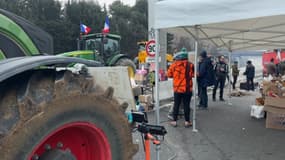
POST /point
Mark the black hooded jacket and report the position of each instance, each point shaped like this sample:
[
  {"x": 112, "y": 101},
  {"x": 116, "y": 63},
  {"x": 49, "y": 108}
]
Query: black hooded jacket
[
  {"x": 221, "y": 70},
  {"x": 204, "y": 78},
  {"x": 249, "y": 71}
]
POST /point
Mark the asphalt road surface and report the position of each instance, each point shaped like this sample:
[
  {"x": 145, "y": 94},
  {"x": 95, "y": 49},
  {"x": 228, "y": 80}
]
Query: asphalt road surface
[{"x": 225, "y": 132}]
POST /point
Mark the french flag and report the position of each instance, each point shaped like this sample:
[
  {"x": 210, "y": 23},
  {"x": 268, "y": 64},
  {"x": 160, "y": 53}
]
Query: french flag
[
  {"x": 106, "y": 26},
  {"x": 84, "y": 29}
]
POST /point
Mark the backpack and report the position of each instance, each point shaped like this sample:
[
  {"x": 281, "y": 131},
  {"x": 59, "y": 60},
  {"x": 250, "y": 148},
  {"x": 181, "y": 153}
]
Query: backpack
[{"x": 210, "y": 76}]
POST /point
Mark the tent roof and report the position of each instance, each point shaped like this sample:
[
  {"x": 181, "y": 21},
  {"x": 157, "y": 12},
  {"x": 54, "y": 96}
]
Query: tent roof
[{"x": 250, "y": 25}]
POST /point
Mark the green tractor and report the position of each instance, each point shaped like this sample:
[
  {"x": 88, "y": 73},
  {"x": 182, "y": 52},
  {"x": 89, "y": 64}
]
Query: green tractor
[
  {"x": 48, "y": 110},
  {"x": 104, "y": 48},
  {"x": 21, "y": 38}
]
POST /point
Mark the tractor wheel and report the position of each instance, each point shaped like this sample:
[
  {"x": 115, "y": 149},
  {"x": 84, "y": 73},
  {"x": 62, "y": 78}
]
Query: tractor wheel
[
  {"x": 129, "y": 63},
  {"x": 61, "y": 116}
]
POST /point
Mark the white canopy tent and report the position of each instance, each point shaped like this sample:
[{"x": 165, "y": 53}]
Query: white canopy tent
[
  {"x": 234, "y": 24},
  {"x": 251, "y": 25}
]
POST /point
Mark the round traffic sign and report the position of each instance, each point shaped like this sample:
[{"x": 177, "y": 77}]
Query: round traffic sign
[{"x": 150, "y": 48}]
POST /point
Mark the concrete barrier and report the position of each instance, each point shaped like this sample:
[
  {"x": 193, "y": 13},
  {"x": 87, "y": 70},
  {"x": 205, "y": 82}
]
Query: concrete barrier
[{"x": 118, "y": 78}]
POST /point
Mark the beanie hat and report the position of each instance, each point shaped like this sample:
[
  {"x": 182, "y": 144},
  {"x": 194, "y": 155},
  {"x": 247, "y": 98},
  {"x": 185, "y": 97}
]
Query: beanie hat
[
  {"x": 181, "y": 56},
  {"x": 203, "y": 54},
  {"x": 183, "y": 49}
]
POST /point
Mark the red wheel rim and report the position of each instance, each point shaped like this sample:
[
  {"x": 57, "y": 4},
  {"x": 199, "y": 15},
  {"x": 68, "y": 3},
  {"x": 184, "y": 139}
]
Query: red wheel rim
[{"x": 85, "y": 141}]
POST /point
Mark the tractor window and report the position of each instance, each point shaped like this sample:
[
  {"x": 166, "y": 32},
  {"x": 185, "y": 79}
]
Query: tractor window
[
  {"x": 93, "y": 44},
  {"x": 111, "y": 47}
]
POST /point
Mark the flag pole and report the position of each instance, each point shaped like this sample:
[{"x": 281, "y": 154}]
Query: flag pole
[{"x": 80, "y": 37}]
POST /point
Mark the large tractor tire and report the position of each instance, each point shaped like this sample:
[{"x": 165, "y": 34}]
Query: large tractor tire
[
  {"x": 129, "y": 63},
  {"x": 49, "y": 115}
]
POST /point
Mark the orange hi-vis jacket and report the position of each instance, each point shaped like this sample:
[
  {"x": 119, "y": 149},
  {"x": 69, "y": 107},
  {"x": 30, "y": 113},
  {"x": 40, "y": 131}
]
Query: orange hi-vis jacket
[{"x": 182, "y": 73}]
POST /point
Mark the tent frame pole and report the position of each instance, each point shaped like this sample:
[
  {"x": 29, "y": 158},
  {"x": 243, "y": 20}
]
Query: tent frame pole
[
  {"x": 157, "y": 86},
  {"x": 195, "y": 79},
  {"x": 230, "y": 73}
]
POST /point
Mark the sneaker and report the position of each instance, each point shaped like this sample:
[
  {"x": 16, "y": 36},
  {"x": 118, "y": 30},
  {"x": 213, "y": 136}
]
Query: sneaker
[
  {"x": 170, "y": 117},
  {"x": 222, "y": 99},
  {"x": 188, "y": 124},
  {"x": 214, "y": 99},
  {"x": 173, "y": 123}
]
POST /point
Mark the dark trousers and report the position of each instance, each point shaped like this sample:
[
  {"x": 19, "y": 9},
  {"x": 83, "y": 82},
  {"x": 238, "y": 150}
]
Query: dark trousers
[
  {"x": 199, "y": 89},
  {"x": 234, "y": 81},
  {"x": 203, "y": 97},
  {"x": 250, "y": 84},
  {"x": 219, "y": 82},
  {"x": 178, "y": 97}
]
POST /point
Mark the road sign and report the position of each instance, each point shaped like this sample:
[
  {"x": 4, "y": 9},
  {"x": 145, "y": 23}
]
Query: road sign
[
  {"x": 150, "y": 48},
  {"x": 152, "y": 59}
]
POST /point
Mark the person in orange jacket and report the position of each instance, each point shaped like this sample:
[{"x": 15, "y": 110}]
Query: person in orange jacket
[{"x": 182, "y": 72}]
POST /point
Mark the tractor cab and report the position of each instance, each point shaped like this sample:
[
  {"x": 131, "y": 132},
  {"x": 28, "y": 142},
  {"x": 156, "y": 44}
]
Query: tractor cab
[{"x": 104, "y": 46}]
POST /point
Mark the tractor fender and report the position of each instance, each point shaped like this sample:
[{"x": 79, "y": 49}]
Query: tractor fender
[
  {"x": 13, "y": 66},
  {"x": 115, "y": 59}
]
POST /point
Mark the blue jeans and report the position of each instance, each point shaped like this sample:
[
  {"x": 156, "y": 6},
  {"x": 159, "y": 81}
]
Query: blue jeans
[{"x": 220, "y": 82}]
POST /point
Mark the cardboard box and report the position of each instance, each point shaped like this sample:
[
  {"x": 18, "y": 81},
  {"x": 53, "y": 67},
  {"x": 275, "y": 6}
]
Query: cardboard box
[
  {"x": 274, "y": 109},
  {"x": 145, "y": 106},
  {"x": 275, "y": 118},
  {"x": 140, "y": 77},
  {"x": 275, "y": 121},
  {"x": 145, "y": 98},
  {"x": 257, "y": 111},
  {"x": 275, "y": 102},
  {"x": 259, "y": 101}
]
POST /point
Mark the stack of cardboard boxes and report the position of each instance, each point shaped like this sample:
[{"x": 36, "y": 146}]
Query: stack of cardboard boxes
[
  {"x": 274, "y": 103},
  {"x": 273, "y": 88},
  {"x": 146, "y": 101},
  {"x": 275, "y": 108}
]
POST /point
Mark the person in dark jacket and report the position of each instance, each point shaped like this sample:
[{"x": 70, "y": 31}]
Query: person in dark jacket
[
  {"x": 271, "y": 68},
  {"x": 198, "y": 80},
  {"x": 281, "y": 67},
  {"x": 204, "y": 81},
  {"x": 235, "y": 73},
  {"x": 221, "y": 70},
  {"x": 249, "y": 73}
]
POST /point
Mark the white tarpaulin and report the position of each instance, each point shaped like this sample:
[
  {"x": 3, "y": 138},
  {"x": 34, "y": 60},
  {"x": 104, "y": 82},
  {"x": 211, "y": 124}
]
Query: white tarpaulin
[{"x": 254, "y": 24}]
